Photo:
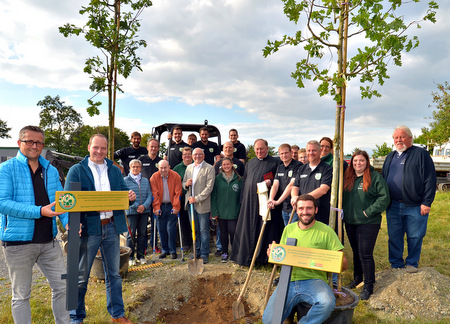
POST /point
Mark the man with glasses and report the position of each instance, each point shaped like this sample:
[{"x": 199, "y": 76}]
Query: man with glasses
[
  {"x": 28, "y": 225},
  {"x": 199, "y": 178}
]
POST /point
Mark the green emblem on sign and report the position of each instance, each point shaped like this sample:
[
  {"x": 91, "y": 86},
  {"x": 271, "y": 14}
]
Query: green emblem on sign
[
  {"x": 67, "y": 201},
  {"x": 278, "y": 254}
]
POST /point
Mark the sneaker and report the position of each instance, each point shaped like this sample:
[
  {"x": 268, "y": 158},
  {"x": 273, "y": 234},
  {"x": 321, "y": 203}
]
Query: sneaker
[
  {"x": 143, "y": 261},
  {"x": 364, "y": 295},
  {"x": 411, "y": 269},
  {"x": 224, "y": 257},
  {"x": 157, "y": 250},
  {"x": 173, "y": 255},
  {"x": 218, "y": 253},
  {"x": 353, "y": 284},
  {"x": 132, "y": 262},
  {"x": 163, "y": 255}
]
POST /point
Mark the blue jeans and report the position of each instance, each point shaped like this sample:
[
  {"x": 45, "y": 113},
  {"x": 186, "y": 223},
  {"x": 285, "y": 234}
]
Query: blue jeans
[
  {"x": 138, "y": 223},
  {"x": 202, "y": 232},
  {"x": 314, "y": 292},
  {"x": 400, "y": 220},
  {"x": 287, "y": 215},
  {"x": 108, "y": 242},
  {"x": 20, "y": 260},
  {"x": 167, "y": 228}
]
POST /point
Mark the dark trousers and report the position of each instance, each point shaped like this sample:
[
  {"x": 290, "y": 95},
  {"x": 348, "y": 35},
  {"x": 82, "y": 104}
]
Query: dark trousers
[
  {"x": 362, "y": 239},
  {"x": 186, "y": 230},
  {"x": 227, "y": 229},
  {"x": 138, "y": 223}
]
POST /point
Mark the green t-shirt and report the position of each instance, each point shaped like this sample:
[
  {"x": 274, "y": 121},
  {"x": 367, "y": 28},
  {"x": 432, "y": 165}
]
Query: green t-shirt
[{"x": 319, "y": 236}]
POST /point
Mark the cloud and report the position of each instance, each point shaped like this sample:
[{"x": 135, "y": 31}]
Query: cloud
[{"x": 209, "y": 53}]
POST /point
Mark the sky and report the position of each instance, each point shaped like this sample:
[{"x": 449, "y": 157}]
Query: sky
[{"x": 204, "y": 62}]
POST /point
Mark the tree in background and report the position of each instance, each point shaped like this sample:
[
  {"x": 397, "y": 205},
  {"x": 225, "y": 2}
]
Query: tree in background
[
  {"x": 381, "y": 150},
  {"x": 114, "y": 33},
  {"x": 58, "y": 122},
  {"x": 327, "y": 27},
  {"x": 162, "y": 143},
  {"x": 79, "y": 139},
  {"x": 438, "y": 132},
  {"x": 4, "y": 129}
]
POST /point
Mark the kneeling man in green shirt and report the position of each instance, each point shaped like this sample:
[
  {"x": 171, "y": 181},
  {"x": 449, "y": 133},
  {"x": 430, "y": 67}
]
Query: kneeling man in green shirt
[{"x": 308, "y": 285}]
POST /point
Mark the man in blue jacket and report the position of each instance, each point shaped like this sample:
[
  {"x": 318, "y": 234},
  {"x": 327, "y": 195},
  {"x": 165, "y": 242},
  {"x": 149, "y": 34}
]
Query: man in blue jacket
[
  {"x": 100, "y": 229},
  {"x": 411, "y": 177},
  {"x": 28, "y": 225}
]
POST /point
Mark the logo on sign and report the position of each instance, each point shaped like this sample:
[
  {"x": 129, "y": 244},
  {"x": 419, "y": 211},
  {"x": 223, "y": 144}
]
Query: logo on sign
[
  {"x": 67, "y": 201},
  {"x": 278, "y": 254}
]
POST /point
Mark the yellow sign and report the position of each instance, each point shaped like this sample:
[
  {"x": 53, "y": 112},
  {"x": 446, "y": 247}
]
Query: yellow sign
[
  {"x": 317, "y": 259},
  {"x": 81, "y": 201}
]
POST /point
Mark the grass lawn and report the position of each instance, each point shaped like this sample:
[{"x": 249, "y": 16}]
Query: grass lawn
[{"x": 435, "y": 252}]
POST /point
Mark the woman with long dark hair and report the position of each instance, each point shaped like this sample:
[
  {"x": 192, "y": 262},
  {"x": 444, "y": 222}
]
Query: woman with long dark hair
[{"x": 365, "y": 197}]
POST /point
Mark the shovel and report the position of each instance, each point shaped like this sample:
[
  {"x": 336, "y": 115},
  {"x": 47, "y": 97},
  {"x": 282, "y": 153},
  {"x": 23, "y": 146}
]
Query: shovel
[
  {"x": 195, "y": 265},
  {"x": 181, "y": 239},
  {"x": 238, "y": 306}
]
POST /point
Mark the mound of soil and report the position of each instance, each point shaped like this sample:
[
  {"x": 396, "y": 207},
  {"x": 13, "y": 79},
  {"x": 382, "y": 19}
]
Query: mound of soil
[
  {"x": 170, "y": 294},
  {"x": 173, "y": 295},
  {"x": 423, "y": 295}
]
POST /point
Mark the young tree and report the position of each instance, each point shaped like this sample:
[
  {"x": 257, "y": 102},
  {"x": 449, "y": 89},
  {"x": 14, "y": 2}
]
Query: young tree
[
  {"x": 114, "y": 33},
  {"x": 438, "y": 132},
  {"x": 328, "y": 25},
  {"x": 4, "y": 129},
  {"x": 58, "y": 122}
]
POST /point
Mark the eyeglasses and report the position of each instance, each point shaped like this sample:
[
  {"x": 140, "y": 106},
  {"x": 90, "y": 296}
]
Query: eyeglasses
[{"x": 31, "y": 143}]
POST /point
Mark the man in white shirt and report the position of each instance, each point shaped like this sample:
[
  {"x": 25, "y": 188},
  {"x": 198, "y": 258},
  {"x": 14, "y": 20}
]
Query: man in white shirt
[{"x": 100, "y": 229}]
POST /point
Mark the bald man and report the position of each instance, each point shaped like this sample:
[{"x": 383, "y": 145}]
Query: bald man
[{"x": 166, "y": 190}]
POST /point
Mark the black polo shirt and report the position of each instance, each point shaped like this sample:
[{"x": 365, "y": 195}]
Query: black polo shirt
[
  {"x": 211, "y": 149},
  {"x": 175, "y": 153},
  {"x": 284, "y": 175},
  {"x": 308, "y": 180},
  {"x": 127, "y": 154},
  {"x": 149, "y": 166},
  {"x": 239, "y": 151},
  {"x": 238, "y": 165}
]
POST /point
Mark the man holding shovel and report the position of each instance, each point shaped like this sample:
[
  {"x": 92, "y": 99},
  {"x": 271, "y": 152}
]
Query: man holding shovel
[{"x": 200, "y": 175}]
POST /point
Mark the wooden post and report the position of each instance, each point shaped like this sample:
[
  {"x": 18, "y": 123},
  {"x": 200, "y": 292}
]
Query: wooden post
[
  {"x": 73, "y": 256},
  {"x": 282, "y": 288}
]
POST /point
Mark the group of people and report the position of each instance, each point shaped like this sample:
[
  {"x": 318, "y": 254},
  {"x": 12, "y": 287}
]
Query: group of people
[{"x": 195, "y": 180}]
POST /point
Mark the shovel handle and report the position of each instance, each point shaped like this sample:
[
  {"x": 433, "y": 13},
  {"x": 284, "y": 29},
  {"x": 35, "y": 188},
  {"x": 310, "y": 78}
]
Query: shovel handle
[{"x": 255, "y": 254}]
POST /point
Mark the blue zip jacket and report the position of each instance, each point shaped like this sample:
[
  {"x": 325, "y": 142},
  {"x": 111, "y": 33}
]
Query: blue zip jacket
[
  {"x": 17, "y": 205},
  {"x": 90, "y": 221},
  {"x": 419, "y": 177},
  {"x": 143, "y": 195}
]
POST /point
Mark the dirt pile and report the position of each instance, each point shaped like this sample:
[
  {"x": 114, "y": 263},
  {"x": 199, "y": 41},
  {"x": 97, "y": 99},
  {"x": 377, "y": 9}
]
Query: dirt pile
[
  {"x": 173, "y": 295},
  {"x": 424, "y": 295},
  {"x": 170, "y": 294}
]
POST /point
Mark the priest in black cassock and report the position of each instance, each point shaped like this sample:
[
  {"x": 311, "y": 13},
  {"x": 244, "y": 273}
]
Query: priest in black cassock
[{"x": 261, "y": 168}]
